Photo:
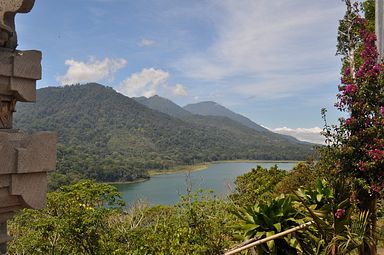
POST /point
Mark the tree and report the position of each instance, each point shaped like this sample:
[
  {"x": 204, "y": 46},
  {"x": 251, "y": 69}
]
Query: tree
[
  {"x": 75, "y": 221},
  {"x": 257, "y": 186},
  {"x": 357, "y": 145},
  {"x": 304, "y": 174}
]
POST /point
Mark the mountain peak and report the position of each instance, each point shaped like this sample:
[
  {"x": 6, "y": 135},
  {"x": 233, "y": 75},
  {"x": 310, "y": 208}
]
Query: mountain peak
[
  {"x": 210, "y": 108},
  {"x": 110, "y": 137},
  {"x": 163, "y": 105},
  {"x": 211, "y": 103}
]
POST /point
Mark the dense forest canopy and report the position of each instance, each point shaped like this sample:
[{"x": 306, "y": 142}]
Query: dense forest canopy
[
  {"x": 338, "y": 199},
  {"x": 106, "y": 136}
]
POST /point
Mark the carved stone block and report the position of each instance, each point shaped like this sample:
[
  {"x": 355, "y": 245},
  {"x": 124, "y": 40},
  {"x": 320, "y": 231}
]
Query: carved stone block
[
  {"x": 19, "y": 71},
  {"x": 8, "y": 10},
  {"x": 23, "y": 153},
  {"x": 25, "y": 160}
]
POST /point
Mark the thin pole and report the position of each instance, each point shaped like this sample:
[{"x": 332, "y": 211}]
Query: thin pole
[
  {"x": 286, "y": 232},
  {"x": 379, "y": 26}
]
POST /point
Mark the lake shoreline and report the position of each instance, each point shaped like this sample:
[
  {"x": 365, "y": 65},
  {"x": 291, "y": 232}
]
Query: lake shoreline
[
  {"x": 128, "y": 182},
  {"x": 205, "y": 165},
  {"x": 255, "y": 161},
  {"x": 180, "y": 169},
  {"x": 166, "y": 189},
  {"x": 198, "y": 167}
]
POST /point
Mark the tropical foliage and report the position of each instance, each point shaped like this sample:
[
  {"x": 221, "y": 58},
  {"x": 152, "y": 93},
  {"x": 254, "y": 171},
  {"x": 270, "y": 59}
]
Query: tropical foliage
[
  {"x": 265, "y": 220},
  {"x": 88, "y": 218},
  {"x": 257, "y": 186},
  {"x": 344, "y": 206},
  {"x": 108, "y": 137},
  {"x": 75, "y": 221}
]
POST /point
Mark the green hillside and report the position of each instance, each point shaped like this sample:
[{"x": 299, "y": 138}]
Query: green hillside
[
  {"x": 214, "y": 109},
  {"x": 164, "y": 105},
  {"x": 106, "y": 136},
  {"x": 213, "y": 115}
]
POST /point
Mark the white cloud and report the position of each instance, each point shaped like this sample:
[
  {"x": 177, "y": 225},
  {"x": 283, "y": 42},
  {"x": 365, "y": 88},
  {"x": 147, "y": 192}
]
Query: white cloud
[
  {"x": 179, "y": 90},
  {"x": 270, "y": 44},
  {"x": 149, "y": 82},
  {"x": 93, "y": 70},
  {"x": 303, "y": 134},
  {"x": 144, "y": 83},
  {"x": 146, "y": 42}
]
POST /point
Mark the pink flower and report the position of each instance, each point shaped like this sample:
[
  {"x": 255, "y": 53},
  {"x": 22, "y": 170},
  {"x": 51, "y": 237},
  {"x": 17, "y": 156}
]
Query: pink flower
[
  {"x": 350, "y": 89},
  {"x": 376, "y": 68},
  {"x": 347, "y": 71},
  {"x": 376, "y": 154},
  {"x": 348, "y": 121},
  {"x": 362, "y": 166},
  {"x": 360, "y": 73},
  {"x": 377, "y": 188},
  {"x": 382, "y": 110},
  {"x": 339, "y": 213}
]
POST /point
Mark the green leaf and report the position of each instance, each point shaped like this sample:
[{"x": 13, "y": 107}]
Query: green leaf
[
  {"x": 271, "y": 245},
  {"x": 277, "y": 226}
]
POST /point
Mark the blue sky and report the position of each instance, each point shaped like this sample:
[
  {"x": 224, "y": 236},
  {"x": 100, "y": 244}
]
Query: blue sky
[{"x": 273, "y": 61}]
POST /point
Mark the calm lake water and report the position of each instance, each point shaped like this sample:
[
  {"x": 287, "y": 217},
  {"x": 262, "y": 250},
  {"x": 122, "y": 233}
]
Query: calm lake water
[{"x": 167, "y": 188}]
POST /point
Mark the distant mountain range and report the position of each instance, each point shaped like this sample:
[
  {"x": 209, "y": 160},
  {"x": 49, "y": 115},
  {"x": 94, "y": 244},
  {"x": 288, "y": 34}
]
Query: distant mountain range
[
  {"x": 195, "y": 112},
  {"x": 107, "y": 136},
  {"x": 214, "y": 109},
  {"x": 165, "y": 106}
]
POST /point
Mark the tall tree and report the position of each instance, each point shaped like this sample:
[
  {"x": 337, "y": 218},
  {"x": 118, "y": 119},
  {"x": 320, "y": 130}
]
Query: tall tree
[{"x": 358, "y": 143}]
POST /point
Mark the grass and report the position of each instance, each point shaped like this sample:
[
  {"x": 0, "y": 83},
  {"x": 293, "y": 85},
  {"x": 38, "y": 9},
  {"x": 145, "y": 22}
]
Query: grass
[
  {"x": 203, "y": 166},
  {"x": 254, "y": 161},
  {"x": 180, "y": 169}
]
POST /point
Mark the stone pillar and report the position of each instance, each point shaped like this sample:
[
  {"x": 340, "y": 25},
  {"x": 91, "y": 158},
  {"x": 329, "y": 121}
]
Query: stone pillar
[
  {"x": 25, "y": 159},
  {"x": 379, "y": 23}
]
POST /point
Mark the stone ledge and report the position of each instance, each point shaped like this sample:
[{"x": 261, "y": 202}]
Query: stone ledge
[
  {"x": 19, "y": 71},
  {"x": 25, "y": 160},
  {"x": 23, "y": 153}
]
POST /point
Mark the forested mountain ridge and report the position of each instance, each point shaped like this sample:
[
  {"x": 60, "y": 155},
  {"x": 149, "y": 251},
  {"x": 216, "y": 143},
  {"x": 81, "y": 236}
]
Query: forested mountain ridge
[
  {"x": 214, "y": 109},
  {"x": 211, "y": 114},
  {"x": 107, "y": 136},
  {"x": 164, "y": 105}
]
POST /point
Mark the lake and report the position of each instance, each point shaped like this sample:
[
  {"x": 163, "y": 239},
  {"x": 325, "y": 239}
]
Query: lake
[{"x": 166, "y": 189}]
